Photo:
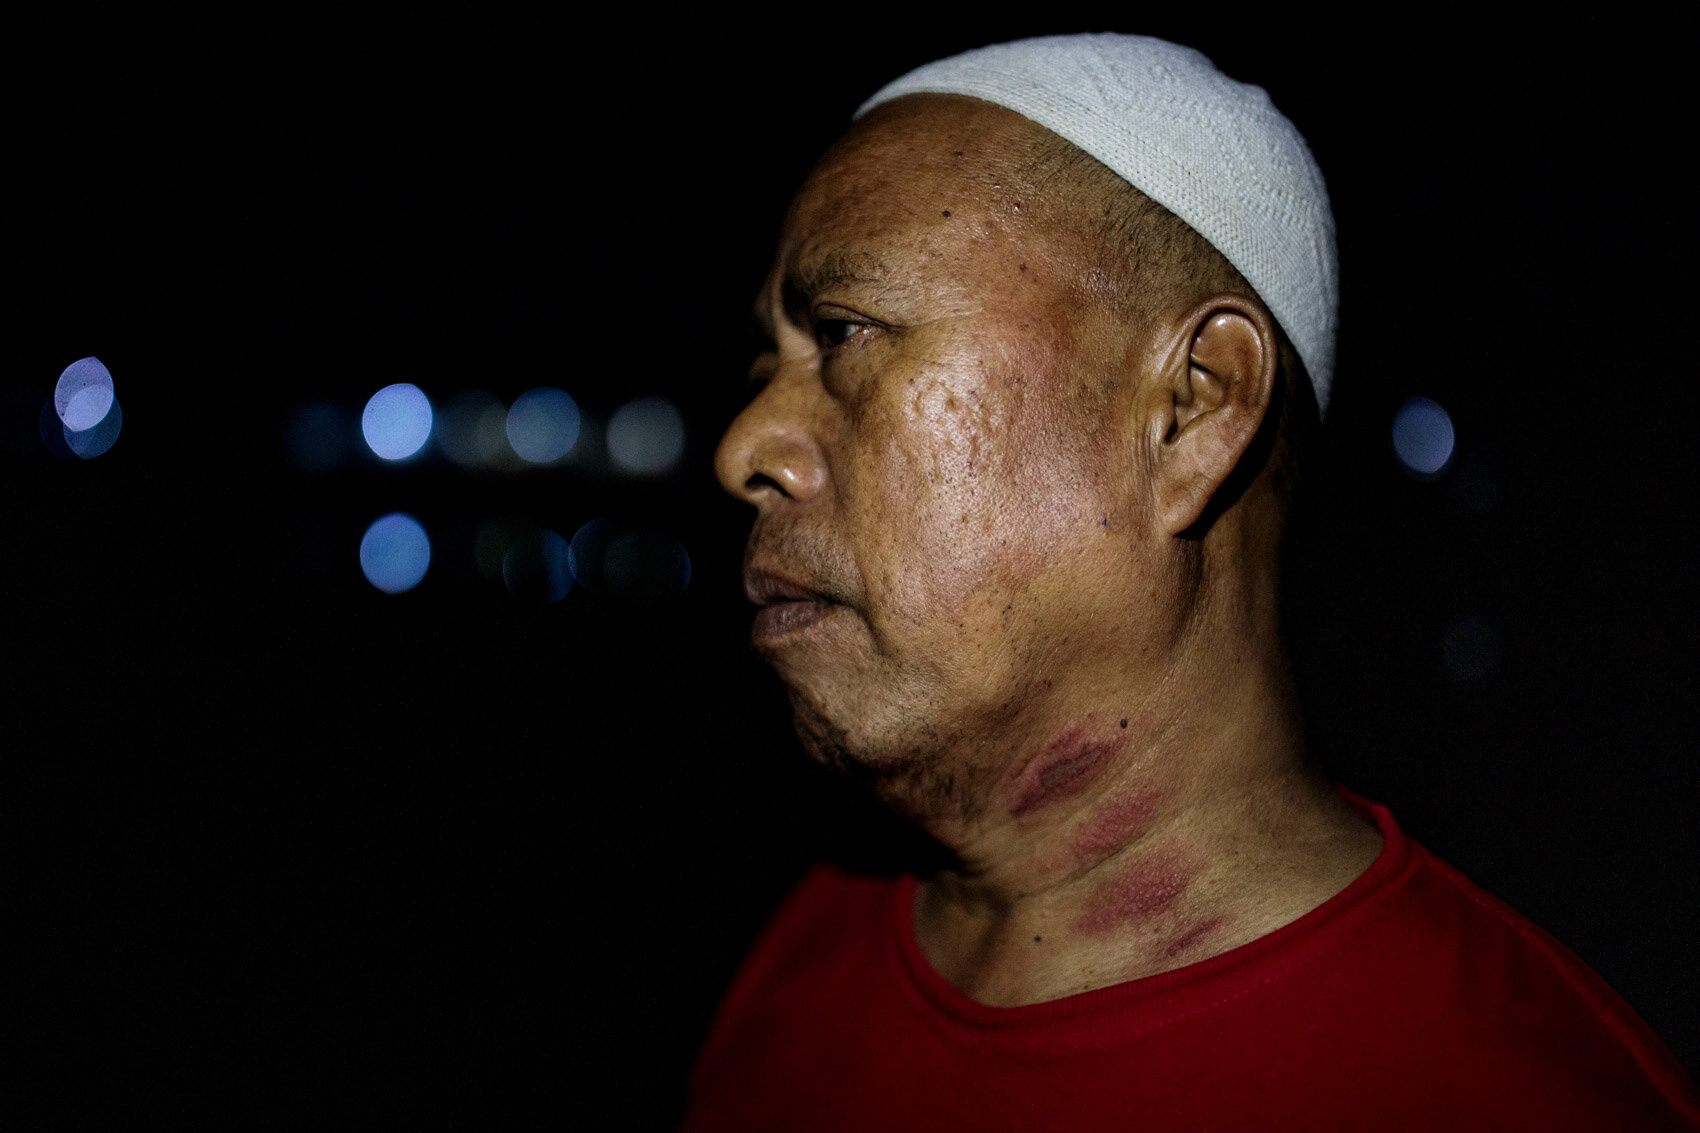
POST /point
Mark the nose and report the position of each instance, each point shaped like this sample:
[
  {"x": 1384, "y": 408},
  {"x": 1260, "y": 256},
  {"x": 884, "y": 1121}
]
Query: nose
[{"x": 770, "y": 451}]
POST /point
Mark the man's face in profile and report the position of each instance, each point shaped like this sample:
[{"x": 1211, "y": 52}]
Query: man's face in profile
[{"x": 942, "y": 519}]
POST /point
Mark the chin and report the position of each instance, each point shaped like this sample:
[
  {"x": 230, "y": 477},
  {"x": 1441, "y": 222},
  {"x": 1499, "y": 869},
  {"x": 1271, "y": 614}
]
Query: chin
[
  {"x": 915, "y": 781},
  {"x": 826, "y": 742}
]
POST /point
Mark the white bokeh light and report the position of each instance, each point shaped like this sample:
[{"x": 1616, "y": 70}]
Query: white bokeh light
[
  {"x": 472, "y": 430},
  {"x": 646, "y": 437},
  {"x": 542, "y": 425}
]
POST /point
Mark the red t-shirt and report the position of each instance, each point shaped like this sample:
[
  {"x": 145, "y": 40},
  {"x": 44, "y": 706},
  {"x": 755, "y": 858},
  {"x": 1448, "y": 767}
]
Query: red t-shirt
[{"x": 1410, "y": 1000}]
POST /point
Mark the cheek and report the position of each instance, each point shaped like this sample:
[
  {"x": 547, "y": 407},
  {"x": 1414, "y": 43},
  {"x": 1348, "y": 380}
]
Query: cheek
[
  {"x": 932, "y": 479},
  {"x": 969, "y": 480}
]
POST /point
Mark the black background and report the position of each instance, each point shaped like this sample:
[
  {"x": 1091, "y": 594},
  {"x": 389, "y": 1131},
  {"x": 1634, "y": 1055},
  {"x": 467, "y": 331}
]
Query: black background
[{"x": 285, "y": 847}]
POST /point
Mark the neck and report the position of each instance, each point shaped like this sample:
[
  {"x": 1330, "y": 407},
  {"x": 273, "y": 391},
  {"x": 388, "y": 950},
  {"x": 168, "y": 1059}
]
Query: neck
[{"x": 1126, "y": 841}]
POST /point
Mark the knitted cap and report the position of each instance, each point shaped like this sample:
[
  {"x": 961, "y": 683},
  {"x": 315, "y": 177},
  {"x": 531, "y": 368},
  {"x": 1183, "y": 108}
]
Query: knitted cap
[{"x": 1213, "y": 151}]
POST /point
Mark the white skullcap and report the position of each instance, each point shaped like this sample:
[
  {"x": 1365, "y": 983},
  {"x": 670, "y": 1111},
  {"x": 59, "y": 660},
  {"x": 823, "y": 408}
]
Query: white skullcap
[{"x": 1213, "y": 151}]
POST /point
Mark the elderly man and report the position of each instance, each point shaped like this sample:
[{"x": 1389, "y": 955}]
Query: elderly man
[{"x": 1050, "y": 329}]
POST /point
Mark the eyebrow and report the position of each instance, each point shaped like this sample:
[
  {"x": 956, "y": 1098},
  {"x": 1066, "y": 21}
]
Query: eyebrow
[
  {"x": 835, "y": 267},
  {"x": 804, "y": 281},
  {"x": 811, "y": 277}
]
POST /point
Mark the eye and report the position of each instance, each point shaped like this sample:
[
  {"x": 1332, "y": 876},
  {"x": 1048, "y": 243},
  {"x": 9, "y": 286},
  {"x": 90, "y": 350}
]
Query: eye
[{"x": 830, "y": 333}]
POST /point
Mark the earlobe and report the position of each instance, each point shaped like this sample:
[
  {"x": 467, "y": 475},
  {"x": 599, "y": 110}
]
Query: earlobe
[{"x": 1220, "y": 396}]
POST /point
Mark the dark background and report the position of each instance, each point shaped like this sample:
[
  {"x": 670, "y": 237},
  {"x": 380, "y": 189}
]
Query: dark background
[{"x": 287, "y": 847}]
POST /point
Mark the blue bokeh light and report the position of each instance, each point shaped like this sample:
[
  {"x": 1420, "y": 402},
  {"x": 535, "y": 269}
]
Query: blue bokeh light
[
  {"x": 637, "y": 564},
  {"x": 83, "y": 395},
  {"x": 395, "y": 553},
  {"x": 397, "y": 421},
  {"x": 586, "y": 551},
  {"x": 543, "y": 425},
  {"x": 99, "y": 437},
  {"x": 87, "y": 408},
  {"x": 1422, "y": 437},
  {"x": 646, "y": 437},
  {"x": 535, "y": 566}
]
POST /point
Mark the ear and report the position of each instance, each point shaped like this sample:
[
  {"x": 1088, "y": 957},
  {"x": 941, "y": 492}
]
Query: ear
[{"x": 1215, "y": 399}]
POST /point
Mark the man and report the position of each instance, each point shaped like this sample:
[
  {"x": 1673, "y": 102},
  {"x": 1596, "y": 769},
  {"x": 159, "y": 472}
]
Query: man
[{"x": 1050, "y": 328}]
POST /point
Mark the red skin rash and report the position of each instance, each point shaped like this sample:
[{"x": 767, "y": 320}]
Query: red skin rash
[
  {"x": 1192, "y": 936},
  {"x": 1138, "y": 893},
  {"x": 1113, "y": 825},
  {"x": 1064, "y": 769}
]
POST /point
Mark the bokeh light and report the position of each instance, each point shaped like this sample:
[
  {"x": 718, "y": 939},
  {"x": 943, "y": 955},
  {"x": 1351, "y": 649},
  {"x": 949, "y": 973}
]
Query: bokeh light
[
  {"x": 646, "y": 437},
  {"x": 83, "y": 394},
  {"x": 397, "y": 421},
  {"x": 534, "y": 566},
  {"x": 85, "y": 415},
  {"x": 585, "y": 552},
  {"x": 395, "y": 553},
  {"x": 642, "y": 565},
  {"x": 490, "y": 546},
  {"x": 98, "y": 438},
  {"x": 1423, "y": 437},
  {"x": 542, "y": 425},
  {"x": 472, "y": 431}
]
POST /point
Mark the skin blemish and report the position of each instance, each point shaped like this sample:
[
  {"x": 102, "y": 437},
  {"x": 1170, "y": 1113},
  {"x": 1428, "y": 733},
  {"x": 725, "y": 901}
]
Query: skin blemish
[
  {"x": 947, "y": 212},
  {"x": 1138, "y": 893},
  {"x": 1114, "y": 825},
  {"x": 1192, "y": 937},
  {"x": 1067, "y": 767},
  {"x": 1124, "y": 721}
]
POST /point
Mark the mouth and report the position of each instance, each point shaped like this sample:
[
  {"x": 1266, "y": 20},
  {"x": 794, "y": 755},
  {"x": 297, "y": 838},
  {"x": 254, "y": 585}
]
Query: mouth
[{"x": 787, "y": 607}]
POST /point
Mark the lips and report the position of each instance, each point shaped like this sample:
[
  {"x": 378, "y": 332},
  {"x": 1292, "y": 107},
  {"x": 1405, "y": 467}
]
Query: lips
[{"x": 786, "y": 606}]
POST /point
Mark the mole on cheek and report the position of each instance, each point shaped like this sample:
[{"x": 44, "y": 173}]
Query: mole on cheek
[
  {"x": 1065, "y": 768},
  {"x": 1138, "y": 893}
]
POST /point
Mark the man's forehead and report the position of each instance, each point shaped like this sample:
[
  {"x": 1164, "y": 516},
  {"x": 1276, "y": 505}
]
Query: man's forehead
[
  {"x": 931, "y": 137},
  {"x": 906, "y": 169}
]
